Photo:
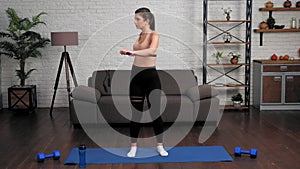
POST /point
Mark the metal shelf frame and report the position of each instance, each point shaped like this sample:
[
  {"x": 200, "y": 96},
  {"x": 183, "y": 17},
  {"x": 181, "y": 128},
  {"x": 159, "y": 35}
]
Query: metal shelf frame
[{"x": 246, "y": 42}]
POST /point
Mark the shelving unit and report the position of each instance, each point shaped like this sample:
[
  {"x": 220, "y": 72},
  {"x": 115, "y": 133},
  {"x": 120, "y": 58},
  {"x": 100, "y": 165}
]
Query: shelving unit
[
  {"x": 270, "y": 10},
  {"x": 232, "y": 67}
]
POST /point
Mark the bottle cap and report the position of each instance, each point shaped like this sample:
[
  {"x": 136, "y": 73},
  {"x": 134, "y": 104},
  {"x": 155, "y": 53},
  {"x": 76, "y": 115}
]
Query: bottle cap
[{"x": 82, "y": 147}]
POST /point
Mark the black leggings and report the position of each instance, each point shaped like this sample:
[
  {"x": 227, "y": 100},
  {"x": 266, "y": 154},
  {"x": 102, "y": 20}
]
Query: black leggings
[{"x": 143, "y": 82}]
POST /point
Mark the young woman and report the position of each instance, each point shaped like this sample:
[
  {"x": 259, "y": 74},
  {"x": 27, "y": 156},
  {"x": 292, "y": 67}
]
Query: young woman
[{"x": 145, "y": 80}]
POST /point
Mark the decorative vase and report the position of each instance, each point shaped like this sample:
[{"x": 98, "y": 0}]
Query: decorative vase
[
  {"x": 298, "y": 4},
  {"x": 217, "y": 60},
  {"x": 234, "y": 60},
  {"x": 271, "y": 22},
  {"x": 269, "y": 4},
  {"x": 228, "y": 17},
  {"x": 263, "y": 25},
  {"x": 287, "y": 4}
]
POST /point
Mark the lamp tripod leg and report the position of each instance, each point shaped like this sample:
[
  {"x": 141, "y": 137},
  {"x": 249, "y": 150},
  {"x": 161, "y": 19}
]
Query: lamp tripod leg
[
  {"x": 68, "y": 80},
  {"x": 56, "y": 82},
  {"x": 72, "y": 71}
]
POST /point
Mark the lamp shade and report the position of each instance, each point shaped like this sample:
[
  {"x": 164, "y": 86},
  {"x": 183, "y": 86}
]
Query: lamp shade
[{"x": 64, "y": 38}]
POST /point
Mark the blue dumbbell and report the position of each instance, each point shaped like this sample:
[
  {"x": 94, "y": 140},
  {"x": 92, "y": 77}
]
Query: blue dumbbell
[
  {"x": 41, "y": 156},
  {"x": 238, "y": 151}
]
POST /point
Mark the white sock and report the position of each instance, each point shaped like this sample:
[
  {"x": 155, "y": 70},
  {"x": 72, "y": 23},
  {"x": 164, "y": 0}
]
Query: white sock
[
  {"x": 162, "y": 151},
  {"x": 132, "y": 151}
]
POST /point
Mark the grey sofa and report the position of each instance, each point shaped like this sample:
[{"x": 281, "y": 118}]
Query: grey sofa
[{"x": 106, "y": 98}]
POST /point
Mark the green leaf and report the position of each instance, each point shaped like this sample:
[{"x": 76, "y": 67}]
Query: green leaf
[
  {"x": 7, "y": 54},
  {"x": 20, "y": 74},
  {"x": 8, "y": 47},
  {"x": 36, "y": 19},
  {"x": 28, "y": 73},
  {"x": 5, "y": 35},
  {"x": 13, "y": 19}
]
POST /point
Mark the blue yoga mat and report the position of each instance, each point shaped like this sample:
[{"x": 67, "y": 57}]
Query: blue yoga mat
[{"x": 176, "y": 154}]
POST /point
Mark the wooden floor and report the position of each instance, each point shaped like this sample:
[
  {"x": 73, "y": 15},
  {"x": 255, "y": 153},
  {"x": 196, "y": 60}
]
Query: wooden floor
[{"x": 276, "y": 135}]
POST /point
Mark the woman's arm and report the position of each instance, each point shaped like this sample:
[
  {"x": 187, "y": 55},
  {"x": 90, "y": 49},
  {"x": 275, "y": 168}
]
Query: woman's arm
[
  {"x": 145, "y": 52},
  {"x": 152, "y": 50}
]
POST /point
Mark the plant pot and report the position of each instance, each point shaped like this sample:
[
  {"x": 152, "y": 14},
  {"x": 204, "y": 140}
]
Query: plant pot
[
  {"x": 22, "y": 98},
  {"x": 263, "y": 25},
  {"x": 237, "y": 104},
  {"x": 269, "y": 4},
  {"x": 234, "y": 60},
  {"x": 287, "y": 4}
]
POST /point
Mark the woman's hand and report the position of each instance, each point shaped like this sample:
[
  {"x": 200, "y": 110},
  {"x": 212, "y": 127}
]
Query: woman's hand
[{"x": 127, "y": 52}]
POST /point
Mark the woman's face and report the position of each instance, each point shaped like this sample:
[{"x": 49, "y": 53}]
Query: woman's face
[{"x": 139, "y": 21}]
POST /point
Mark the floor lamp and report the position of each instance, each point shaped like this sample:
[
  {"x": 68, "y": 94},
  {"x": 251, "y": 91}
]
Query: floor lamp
[{"x": 64, "y": 39}]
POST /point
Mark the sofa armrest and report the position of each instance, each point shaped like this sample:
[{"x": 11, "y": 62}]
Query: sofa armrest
[
  {"x": 85, "y": 93},
  {"x": 201, "y": 92}
]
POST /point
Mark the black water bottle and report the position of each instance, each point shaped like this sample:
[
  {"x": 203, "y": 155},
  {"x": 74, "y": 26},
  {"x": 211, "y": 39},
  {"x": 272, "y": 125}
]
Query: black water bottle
[{"x": 82, "y": 150}]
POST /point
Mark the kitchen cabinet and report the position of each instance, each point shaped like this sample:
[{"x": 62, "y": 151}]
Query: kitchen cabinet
[{"x": 276, "y": 85}]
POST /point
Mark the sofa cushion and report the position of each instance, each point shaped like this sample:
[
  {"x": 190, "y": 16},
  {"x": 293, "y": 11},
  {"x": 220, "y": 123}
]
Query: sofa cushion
[
  {"x": 116, "y": 82},
  {"x": 201, "y": 92},
  {"x": 85, "y": 93}
]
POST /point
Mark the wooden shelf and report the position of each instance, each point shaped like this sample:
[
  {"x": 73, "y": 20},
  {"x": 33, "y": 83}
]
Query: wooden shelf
[
  {"x": 228, "y": 64},
  {"x": 279, "y": 9},
  {"x": 231, "y": 107},
  {"x": 230, "y": 43},
  {"x": 276, "y": 30},
  {"x": 270, "y": 10},
  {"x": 280, "y": 62},
  {"x": 229, "y": 21},
  {"x": 230, "y": 86}
]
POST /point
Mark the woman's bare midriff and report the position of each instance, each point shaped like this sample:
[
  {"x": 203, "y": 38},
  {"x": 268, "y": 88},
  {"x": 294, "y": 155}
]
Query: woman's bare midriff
[{"x": 143, "y": 61}]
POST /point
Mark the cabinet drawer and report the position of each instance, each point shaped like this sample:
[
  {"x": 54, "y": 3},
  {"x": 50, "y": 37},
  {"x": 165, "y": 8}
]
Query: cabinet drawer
[
  {"x": 271, "y": 89},
  {"x": 283, "y": 68}
]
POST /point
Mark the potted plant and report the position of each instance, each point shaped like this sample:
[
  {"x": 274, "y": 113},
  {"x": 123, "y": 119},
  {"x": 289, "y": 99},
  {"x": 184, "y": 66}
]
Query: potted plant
[
  {"x": 234, "y": 57},
  {"x": 237, "y": 100},
  {"x": 218, "y": 55},
  {"x": 227, "y": 12},
  {"x": 21, "y": 42},
  {"x": 227, "y": 37}
]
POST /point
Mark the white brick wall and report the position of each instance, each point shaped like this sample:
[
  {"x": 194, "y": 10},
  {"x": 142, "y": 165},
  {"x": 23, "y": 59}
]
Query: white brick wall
[{"x": 105, "y": 27}]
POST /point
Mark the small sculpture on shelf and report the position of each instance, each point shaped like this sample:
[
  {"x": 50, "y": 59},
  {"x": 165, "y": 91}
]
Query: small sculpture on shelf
[
  {"x": 237, "y": 100},
  {"x": 227, "y": 12},
  {"x": 269, "y": 4},
  {"x": 271, "y": 22},
  {"x": 287, "y": 4},
  {"x": 227, "y": 37},
  {"x": 218, "y": 55},
  {"x": 298, "y": 4},
  {"x": 263, "y": 25},
  {"x": 234, "y": 57}
]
